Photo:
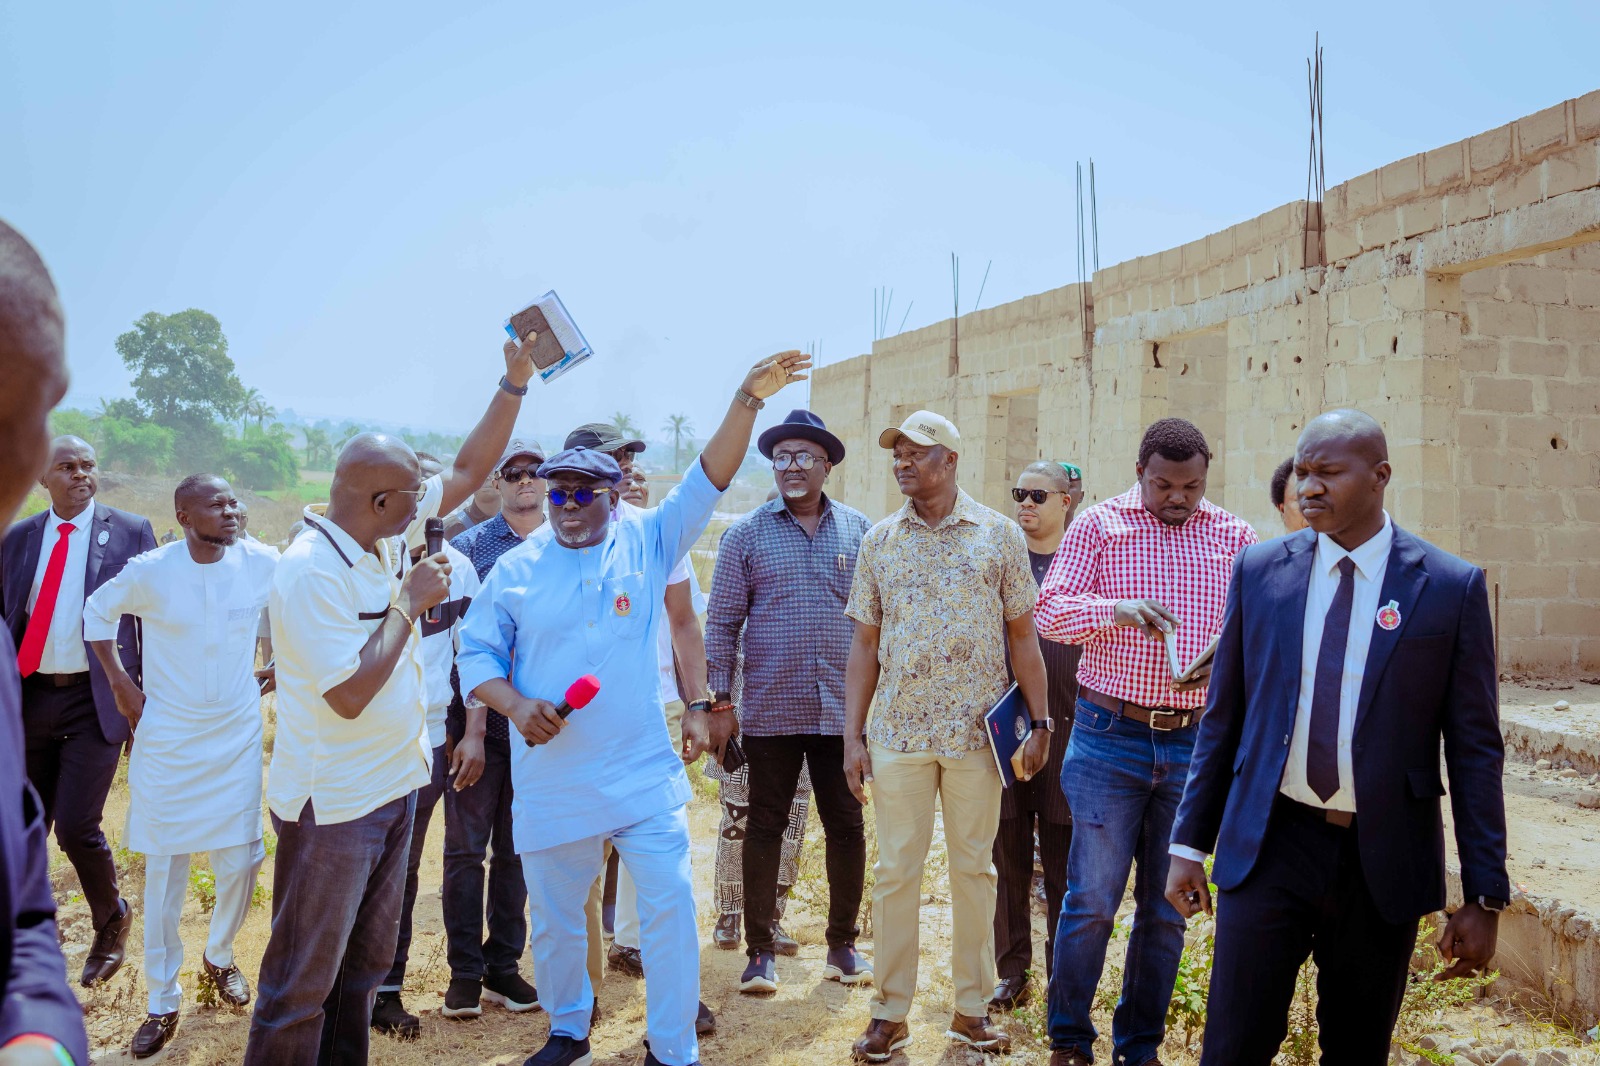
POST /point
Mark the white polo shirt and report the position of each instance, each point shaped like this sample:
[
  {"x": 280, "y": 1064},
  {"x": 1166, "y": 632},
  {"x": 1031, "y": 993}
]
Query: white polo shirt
[{"x": 328, "y": 598}]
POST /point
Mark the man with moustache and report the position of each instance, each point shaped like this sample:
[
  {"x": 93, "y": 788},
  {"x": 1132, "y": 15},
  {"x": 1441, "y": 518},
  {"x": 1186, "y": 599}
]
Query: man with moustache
[
  {"x": 194, "y": 777},
  {"x": 484, "y": 966},
  {"x": 585, "y": 598},
  {"x": 1046, "y": 496},
  {"x": 941, "y": 595},
  {"x": 1323, "y": 809},
  {"x": 782, "y": 582},
  {"x": 352, "y": 740},
  {"x": 1152, "y": 561},
  {"x": 41, "y": 1023},
  {"x": 49, "y": 565}
]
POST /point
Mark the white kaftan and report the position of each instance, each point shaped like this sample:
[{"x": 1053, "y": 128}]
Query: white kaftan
[{"x": 194, "y": 778}]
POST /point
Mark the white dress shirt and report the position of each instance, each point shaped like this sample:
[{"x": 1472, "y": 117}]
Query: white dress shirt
[
  {"x": 63, "y": 651},
  {"x": 439, "y": 649},
  {"x": 1372, "y": 562},
  {"x": 669, "y": 674},
  {"x": 328, "y": 597}
]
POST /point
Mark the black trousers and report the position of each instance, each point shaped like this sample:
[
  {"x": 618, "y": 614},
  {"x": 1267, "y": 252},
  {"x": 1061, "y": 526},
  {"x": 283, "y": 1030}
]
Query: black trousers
[
  {"x": 774, "y": 775},
  {"x": 1306, "y": 896},
  {"x": 72, "y": 766},
  {"x": 1013, "y": 912}
]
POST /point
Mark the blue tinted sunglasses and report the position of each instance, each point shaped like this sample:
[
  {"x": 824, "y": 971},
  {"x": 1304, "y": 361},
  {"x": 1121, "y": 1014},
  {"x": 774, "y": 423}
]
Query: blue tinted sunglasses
[{"x": 585, "y": 496}]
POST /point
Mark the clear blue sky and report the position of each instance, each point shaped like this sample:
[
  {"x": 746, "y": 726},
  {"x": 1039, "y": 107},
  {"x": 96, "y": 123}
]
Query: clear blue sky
[{"x": 362, "y": 195}]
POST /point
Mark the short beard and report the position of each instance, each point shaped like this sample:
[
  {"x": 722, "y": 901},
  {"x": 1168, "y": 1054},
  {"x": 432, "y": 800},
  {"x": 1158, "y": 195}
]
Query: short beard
[
  {"x": 572, "y": 540},
  {"x": 796, "y": 492},
  {"x": 221, "y": 542}
]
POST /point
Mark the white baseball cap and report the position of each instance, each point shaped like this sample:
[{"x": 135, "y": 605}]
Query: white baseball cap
[{"x": 924, "y": 428}]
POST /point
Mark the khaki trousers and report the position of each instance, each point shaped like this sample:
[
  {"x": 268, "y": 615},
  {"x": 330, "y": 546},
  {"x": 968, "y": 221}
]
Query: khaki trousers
[{"x": 905, "y": 785}]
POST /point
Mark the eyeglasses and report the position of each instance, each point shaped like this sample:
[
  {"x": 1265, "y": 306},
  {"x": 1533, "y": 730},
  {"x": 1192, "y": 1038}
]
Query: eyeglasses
[
  {"x": 1036, "y": 495},
  {"x": 804, "y": 460},
  {"x": 516, "y": 475},
  {"x": 409, "y": 492},
  {"x": 584, "y": 497}
]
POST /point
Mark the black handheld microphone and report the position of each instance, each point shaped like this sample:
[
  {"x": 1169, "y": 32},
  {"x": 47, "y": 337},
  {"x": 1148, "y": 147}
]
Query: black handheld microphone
[{"x": 434, "y": 534}]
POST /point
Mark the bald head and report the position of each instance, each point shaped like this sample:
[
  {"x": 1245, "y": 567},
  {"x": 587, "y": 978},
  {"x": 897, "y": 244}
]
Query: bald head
[
  {"x": 32, "y": 364},
  {"x": 376, "y": 484},
  {"x": 1357, "y": 429}
]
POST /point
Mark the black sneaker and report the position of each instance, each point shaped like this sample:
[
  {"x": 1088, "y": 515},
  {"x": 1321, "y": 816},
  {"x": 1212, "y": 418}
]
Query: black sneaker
[
  {"x": 154, "y": 1034},
  {"x": 783, "y": 943},
  {"x": 461, "y": 998},
  {"x": 726, "y": 934},
  {"x": 510, "y": 991},
  {"x": 390, "y": 1017},
  {"x": 761, "y": 975},
  {"x": 846, "y": 965},
  {"x": 705, "y": 1023},
  {"x": 625, "y": 960},
  {"x": 561, "y": 1051}
]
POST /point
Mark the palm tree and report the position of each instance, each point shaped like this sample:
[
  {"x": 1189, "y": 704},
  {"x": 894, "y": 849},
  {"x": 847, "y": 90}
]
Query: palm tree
[
  {"x": 624, "y": 425},
  {"x": 350, "y": 430},
  {"x": 679, "y": 427},
  {"x": 256, "y": 406},
  {"x": 317, "y": 443}
]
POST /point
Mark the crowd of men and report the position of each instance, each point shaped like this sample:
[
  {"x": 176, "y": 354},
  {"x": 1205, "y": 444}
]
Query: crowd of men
[{"x": 841, "y": 661}]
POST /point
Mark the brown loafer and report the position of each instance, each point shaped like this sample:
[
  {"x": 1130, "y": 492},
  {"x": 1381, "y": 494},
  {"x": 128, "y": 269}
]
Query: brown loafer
[
  {"x": 978, "y": 1033},
  {"x": 881, "y": 1040},
  {"x": 1068, "y": 1056}
]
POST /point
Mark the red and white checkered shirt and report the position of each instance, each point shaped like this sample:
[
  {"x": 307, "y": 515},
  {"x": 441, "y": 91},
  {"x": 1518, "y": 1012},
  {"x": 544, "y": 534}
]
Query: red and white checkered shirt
[{"x": 1117, "y": 550}]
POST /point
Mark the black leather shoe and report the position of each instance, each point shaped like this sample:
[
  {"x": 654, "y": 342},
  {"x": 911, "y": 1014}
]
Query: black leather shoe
[
  {"x": 1011, "y": 993},
  {"x": 726, "y": 934},
  {"x": 230, "y": 984},
  {"x": 705, "y": 1023},
  {"x": 110, "y": 948},
  {"x": 154, "y": 1034},
  {"x": 390, "y": 1017},
  {"x": 783, "y": 943}
]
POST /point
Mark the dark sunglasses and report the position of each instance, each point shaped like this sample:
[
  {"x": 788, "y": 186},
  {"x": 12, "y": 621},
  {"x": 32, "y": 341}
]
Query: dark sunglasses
[
  {"x": 804, "y": 460},
  {"x": 559, "y": 497},
  {"x": 1036, "y": 495},
  {"x": 517, "y": 474}
]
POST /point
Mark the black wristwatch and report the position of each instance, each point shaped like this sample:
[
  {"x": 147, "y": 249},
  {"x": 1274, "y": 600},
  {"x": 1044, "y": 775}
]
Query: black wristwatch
[
  {"x": 1046, "y": 724},
  {"x": 1489, "y": 903},
  {"x": 699, "y": 705},
  {"x": 505, "y": 383}
]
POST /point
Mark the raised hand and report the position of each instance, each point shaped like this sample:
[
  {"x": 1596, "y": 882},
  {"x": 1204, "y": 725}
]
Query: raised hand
[
  {"x": 519, "y": 360},
  {"x": 773, "y": 373}
]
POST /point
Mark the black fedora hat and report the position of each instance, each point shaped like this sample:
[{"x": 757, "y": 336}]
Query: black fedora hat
[{"x": 804, "y": 425}]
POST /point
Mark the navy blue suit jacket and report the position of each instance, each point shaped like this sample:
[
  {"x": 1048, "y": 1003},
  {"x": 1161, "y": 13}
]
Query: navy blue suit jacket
[
  {"x": 34, "y": 997},
  {"x": 1431, "y": 678},
  {"x": 126, "y": 535}
]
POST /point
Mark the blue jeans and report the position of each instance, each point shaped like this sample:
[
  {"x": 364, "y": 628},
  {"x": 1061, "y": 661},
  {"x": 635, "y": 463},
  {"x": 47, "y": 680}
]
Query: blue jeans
[
  {"x": 427, "y": 799},
  {"x": 336, "y": 893},
  {"x": 473, "y": 818},
  {"x": 1123, "y": 781}
]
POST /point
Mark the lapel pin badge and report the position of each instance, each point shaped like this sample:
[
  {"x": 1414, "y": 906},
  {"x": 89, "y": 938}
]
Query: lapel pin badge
[
  {"x": 1389, "y": 615},
  {"x": 102, "y": 538}
]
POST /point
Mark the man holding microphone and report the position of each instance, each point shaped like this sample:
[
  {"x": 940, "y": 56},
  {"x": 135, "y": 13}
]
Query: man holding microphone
[{"x": 586, "y": 591}]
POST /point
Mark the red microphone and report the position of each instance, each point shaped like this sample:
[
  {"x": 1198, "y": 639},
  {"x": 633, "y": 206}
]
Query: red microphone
[{"x": 579, "y": 693}]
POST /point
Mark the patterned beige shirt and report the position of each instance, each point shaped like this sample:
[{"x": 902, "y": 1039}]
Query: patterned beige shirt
[{"x": 941, "y": 598}]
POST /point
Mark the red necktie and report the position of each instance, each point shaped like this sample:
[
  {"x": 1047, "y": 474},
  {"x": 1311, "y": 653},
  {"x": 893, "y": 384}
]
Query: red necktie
[{"x": 44, "y": 607}]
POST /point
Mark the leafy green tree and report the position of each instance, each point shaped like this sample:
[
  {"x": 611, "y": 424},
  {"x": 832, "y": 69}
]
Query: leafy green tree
[
  {"x": 66, "y": 420},
  {"x": 254, "y": 405},
  {"x": 679, "y": 428},
  {"x": 135, "y": 447},
  {"x": 183, "y": 380},
  {"x": 261, "y": 460},
  {"x": 319, "y": 446}
]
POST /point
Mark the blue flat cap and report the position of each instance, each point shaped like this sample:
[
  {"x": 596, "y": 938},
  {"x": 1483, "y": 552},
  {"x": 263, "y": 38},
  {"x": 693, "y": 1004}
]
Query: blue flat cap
[{"x": 585, "y": 461}]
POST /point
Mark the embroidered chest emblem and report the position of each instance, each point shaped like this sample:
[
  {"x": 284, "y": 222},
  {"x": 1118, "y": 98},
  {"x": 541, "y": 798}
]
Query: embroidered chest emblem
[
  {"x": 622, "y": 605},
  {"x": 1389, "y": 615}
]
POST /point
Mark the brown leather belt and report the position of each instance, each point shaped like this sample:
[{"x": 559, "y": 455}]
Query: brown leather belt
[
  {"x": 1161, "y": 719},
  {"x": 59, "y": 680}
]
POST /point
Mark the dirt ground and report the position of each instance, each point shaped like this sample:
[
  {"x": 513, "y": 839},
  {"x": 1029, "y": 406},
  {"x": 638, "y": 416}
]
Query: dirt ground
[{"x": 808, "y": 1021}]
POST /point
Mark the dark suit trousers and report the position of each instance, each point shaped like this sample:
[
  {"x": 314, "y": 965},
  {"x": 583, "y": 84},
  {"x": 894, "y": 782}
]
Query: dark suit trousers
[
  {"x": 72, "y": 767},
  {"x": 1306, "y": 896},
  {"x": 1013, "y": 912}
]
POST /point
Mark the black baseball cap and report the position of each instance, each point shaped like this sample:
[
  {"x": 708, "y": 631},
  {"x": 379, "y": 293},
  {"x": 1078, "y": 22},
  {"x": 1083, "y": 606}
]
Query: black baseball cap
[{"x": 602, "y": 437}]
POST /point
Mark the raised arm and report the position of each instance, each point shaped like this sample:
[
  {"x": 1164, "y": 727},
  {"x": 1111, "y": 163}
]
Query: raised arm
[
  {"x": 725, "y": 451},
  {"x": 481, "y": 450}
]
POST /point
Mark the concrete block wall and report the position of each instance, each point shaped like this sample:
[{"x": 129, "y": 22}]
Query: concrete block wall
[{"x": 1451, "y": 294}]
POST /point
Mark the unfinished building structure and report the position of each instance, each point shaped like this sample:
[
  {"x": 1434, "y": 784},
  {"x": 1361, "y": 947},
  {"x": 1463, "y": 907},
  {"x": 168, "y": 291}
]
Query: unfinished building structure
[{"x": 1454, "y": 295}]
